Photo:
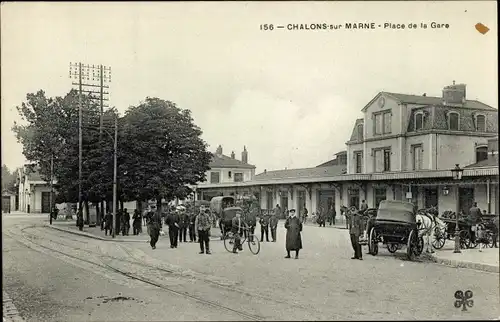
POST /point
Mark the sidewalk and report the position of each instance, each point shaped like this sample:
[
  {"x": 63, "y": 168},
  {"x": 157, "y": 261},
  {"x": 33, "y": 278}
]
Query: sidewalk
[
  {"x": 338, "y": 225},
  {"x": 487, "y": 260},
  {"x": 96, "y": 232}
]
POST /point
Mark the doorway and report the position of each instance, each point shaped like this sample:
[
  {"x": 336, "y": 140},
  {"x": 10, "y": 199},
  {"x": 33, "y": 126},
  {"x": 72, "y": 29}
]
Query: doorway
[
  {"x": 466, "y": 199},
  {"x": 269, "y": 200},
  {"x": 284, "y": 202},
  {"x": 431, "y": 197},
  {"x": 45, "y": 202}
]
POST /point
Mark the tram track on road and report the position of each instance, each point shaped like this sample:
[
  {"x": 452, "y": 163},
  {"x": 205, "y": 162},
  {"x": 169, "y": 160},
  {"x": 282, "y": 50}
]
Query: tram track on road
[
  {"x": 26, "y": 241},
  {"x": 175, "y": 273}
]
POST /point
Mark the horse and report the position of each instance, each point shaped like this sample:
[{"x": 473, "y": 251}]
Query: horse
[{"x": 428, "y": 224}]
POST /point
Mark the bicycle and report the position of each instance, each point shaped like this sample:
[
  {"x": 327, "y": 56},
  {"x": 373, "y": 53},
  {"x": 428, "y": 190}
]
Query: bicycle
[{"x": 252, "y": 241}]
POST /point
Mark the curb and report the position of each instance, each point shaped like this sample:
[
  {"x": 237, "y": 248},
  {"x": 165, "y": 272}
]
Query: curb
[
  {"x": 89, "y": 235},
  {"x": 10, "y": 312},
  {"x": 465, "y": 264}
]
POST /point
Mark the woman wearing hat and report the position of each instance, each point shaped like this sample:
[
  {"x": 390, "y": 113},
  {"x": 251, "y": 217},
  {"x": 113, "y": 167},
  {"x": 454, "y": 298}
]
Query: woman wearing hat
[{"x": 293, "y": 239}]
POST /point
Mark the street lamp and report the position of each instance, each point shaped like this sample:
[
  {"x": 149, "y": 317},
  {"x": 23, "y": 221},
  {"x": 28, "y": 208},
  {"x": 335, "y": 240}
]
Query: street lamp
[{"x": 457, "y": 175}]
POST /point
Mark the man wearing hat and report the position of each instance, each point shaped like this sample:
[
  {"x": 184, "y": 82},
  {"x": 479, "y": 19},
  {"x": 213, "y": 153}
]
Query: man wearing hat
[
  {"x": 202, "y": 225},
  {"x": 355, "y": 230},
  {"x": 173, "y": 227},
  {"x": 237, "y": 226},
  {"x": 293, "y": 239},
  {"x": 183, "y": 224}
]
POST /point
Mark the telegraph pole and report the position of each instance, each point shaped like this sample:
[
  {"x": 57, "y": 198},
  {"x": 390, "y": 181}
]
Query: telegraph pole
[
  {"x": 114, "y": 176},
  {"x": 51, "y": 185},
  {"x": 101, "y": 74}
]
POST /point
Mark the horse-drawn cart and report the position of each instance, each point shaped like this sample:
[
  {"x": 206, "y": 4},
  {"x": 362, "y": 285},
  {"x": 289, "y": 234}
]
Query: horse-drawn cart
[{"x": 396, "y": 226}]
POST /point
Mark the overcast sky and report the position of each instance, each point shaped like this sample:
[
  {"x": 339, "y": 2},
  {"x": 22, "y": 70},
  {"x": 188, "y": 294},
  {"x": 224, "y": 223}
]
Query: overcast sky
[{"x": 290, "y": 96}]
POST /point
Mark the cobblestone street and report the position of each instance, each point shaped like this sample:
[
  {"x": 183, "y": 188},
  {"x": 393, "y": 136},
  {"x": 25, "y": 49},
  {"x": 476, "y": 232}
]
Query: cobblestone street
[{"x": 323, "y": 284}]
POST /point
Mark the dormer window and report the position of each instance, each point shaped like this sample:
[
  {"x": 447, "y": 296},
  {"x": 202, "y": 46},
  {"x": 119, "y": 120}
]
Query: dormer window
[
  {"x": 419, "y": 121},
  {"x": 480, "y": 122},
  {"x": 360, "y": 132},
  {"x": 453, "y": 121}
]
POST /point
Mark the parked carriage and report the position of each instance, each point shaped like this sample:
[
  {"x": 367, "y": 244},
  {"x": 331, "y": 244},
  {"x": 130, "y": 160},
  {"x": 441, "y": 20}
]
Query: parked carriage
[
  {"x": 396, "y": 226},
  {"x": 464, "y": 226}
]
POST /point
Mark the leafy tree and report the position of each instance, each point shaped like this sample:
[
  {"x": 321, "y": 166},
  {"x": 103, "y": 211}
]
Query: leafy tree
[
  {"x": 161, "y": 152},
  {"x": 51, "y": 131},
  {"x": 8, "y": 179}
]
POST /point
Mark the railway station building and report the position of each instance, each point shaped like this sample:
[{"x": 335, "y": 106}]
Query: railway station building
[{"x": 402, "y": 148}]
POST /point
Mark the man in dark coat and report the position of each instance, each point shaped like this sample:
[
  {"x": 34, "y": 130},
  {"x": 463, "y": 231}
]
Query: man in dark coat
[
  {"x": 251, "y": 221},
  {"x": 125, "y": 222},
  {"x": 321, "y": 217},
  {"x": 273, "y": 223},
  {"x": 192, "y": 226},
  {"x": 79, "y": 219},
  {"x": 136, "y": 222},
  {"x": 108, "y": 223},
  {"x": 355, "y": 230},
  {"x": 173, "y": 227},
  {"x": 183, "y": 224},
  {"x": 238, "y": 226},
  {"x": 154, "y": 229},
  {"x": 264, "y": 227},
  {"x": 293, "y": 239}
]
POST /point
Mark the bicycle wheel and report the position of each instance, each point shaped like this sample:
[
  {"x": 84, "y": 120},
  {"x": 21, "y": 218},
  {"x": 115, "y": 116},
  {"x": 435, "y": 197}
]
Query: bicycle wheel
[
  {"x": 253, "y": 244},
  {"x": 229, "y": 242}
]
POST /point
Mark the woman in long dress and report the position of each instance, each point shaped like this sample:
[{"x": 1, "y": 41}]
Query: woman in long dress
[{"x": 293, "y": 239}]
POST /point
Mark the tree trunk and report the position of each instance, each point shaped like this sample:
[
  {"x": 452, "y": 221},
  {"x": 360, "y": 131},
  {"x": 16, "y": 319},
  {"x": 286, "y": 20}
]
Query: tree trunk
[
  {"x": 103, "y": 211},
  {"x": 158, "y": 205},
  {"x": 121, "y": 205},
  {"x": 139, "y": 206},
  {"x": 98, "y": 213},
  {"x": 87, "y": 212}
]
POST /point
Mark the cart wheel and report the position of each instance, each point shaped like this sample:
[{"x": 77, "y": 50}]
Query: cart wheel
[
  {"x": 254, "y": 244},
  {"x": 464, "y": 239},
  {"x": 420, "y": 246},
  {"x": 411, "y": 245},
  {"x": 229, "y": 242},
  {"x": 392, "y": 248},
  {"x": 439, "y": 239},
  {"x": 372, "y": 242}
]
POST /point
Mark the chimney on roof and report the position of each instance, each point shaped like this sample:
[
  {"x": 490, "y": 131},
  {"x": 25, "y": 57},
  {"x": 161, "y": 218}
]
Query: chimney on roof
[
  {"x": 219, "y": 150},
  {"x": 265, "y": 170},
  {"x": 454, "y": 94},
  {"x": 424, "y": 94},
  {"x": 244, "y": 155},
  {"x": 232, "y": 155}
]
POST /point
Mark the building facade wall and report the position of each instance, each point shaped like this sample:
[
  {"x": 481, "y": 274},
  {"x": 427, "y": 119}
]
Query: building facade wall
[
  {"x": 452, "y": 149},
  {"x": 248, "y": 174}
]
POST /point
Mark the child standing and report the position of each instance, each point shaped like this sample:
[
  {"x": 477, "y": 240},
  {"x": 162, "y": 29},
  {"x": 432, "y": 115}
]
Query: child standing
[{"x": 481, "y": 237}]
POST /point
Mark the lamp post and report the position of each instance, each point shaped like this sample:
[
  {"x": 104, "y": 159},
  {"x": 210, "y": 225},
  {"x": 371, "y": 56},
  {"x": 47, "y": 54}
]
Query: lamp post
[{"x": 457, "y": 175}]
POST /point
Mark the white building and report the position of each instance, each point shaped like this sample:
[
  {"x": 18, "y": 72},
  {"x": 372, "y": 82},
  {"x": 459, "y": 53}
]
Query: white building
[{"x": 33, "y": 191}]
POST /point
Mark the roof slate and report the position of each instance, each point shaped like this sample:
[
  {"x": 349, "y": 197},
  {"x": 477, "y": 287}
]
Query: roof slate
[
  {"x": 302, "y": 173},
  {"x": 223, "y": 161},
  {"x": 432, "y": 100},
  {"x": 354, "y": 134},
  {"x": 490, "y": 162},
  {"x": 440, "y": 119}
]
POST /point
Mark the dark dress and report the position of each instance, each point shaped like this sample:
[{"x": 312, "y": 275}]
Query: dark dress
[{"x": 293, "y": 239}]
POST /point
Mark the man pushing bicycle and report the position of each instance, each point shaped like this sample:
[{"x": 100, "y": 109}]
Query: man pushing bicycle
[{"x": 238, "y": 226}]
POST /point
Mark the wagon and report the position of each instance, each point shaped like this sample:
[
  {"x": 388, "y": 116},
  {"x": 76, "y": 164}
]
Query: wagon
[{"x": 396, "y": 227}]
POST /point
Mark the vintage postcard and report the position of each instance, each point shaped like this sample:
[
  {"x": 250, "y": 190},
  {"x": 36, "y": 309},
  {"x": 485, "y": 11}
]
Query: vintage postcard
[{"x": 250, "y": 160}]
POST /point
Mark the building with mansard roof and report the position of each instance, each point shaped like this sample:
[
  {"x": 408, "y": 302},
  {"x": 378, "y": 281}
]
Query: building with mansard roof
[{"x": 403, "y": 148}]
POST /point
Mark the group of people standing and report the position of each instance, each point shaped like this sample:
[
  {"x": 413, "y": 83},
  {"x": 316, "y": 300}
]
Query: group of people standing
[
  {"x": 122, "y": 224},
  {"x": 180, "y": 222}
]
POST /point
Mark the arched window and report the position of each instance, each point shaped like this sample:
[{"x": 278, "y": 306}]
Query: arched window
[
  {"x": 453, "y": 121},
  {"x": 360, "y": 132},
  {"x": 481, "y": 153},
  {"x": 419, "y": 121},
  {"x": 480, "y": 123}
]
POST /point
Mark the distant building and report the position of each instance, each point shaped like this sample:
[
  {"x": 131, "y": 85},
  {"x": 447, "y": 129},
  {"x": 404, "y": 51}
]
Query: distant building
[
  {"x": 226, "y": 170},
  {"x": 33, "y": 191}
]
